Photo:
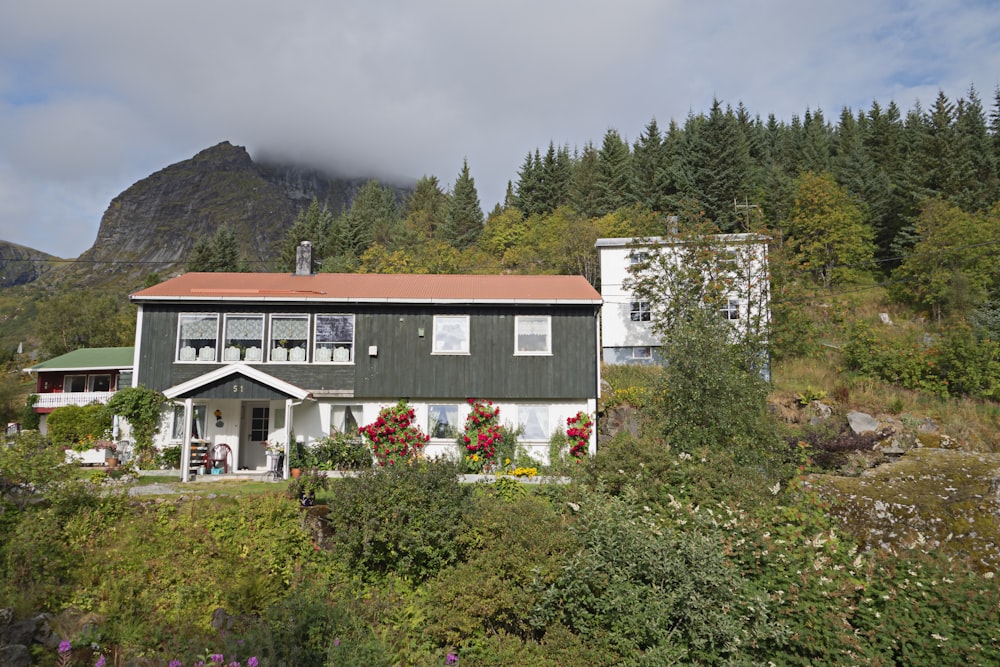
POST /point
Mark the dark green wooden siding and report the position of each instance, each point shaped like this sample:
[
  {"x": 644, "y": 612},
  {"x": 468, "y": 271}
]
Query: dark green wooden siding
[{"x": 404, "y": 366}]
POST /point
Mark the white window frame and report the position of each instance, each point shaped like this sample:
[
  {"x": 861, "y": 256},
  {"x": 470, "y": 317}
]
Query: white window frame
[
  {"x": 338, "y": 418},
  {"x": 731, "y": 311},
  {"x": 91, "y": 380},
  {"x": 638, "y": 311},
  {"x": 199, "y": 418},
  {"x": 637, "y": 257},
  {"x": 439, "y": 322},
  {"x": 180, "y": 326},
  {"x": 546, "y": 425},
  {"x": 642, "y": 352},
  {"x": 333, "y": 345},
  {"x": 66, "y": 383},
  {"x": 258, "y": 342},
  {"x": 518, "y": 320},
  {"x": 272, "y": 343},
  {"x": 454, "y": 428}
]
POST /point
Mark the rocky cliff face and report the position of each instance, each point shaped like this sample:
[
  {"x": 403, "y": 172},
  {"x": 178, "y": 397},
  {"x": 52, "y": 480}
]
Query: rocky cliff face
[
  {"x": 20, "y": 265},
  {"x": 156, "y": 222}
]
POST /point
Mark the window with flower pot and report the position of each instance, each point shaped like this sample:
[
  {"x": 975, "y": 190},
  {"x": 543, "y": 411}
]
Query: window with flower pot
[
  {"x": 533, "y": 334},
  {"x": 244, "y": 338},
  {"x": 731, "y": 311},
  {"x": 442, "y": 421},
  {"x": 534, "y": 422},
  {"x": 334, "y": 339},
  {"x": 451, "y": 334},
  {"x": 289, "y": 338}
]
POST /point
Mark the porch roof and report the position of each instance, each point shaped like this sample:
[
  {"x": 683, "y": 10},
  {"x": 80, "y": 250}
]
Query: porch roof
[
  {"x": 89, "y": 358},
  {"x": 203, "y": 385}
]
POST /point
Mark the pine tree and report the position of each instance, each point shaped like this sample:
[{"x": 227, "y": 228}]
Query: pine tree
[
  {"x": 650, "y": 169},
  {"x": 583, "y": 184},
  {"x": 720, "y": 166},
  {"x": 464, "y": 221},
  {"x": 974, "y": 170},
  {"x": 312, "y": 224},
  {"x": 529, "y": 185},
  {"x": 614, "y": 174}
]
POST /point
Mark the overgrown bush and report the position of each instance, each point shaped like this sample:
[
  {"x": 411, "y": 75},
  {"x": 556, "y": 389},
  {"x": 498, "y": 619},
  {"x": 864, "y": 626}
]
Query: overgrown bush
[
  {"x": 402, "y": 519},
  {"x": 141, "y": 407},
  {"x": 393, "y": 436},
  {"x": 79, "y": 427},
  {"x": 341, "y": 451},
  {"x": 643, "y": 593}
]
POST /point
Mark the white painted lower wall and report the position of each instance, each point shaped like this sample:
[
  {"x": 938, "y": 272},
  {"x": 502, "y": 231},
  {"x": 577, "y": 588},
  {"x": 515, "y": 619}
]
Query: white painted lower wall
[{"x": 315, "y": 419}]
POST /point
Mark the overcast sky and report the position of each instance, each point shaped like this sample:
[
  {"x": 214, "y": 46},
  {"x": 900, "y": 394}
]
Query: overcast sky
[{"x": 96, "y": 95}]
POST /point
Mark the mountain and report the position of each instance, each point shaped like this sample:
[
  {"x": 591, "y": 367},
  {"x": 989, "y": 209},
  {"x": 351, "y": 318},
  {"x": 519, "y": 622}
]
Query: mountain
[
  {"x": 20, "y": 265},
  {"x": 153, "y": 225}
]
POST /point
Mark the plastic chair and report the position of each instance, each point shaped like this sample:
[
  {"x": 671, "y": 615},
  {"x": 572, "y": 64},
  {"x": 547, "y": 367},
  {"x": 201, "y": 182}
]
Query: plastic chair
[{"x": 221, "y": 455}]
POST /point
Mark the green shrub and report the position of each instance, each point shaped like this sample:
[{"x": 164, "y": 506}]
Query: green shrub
[
  {"x": 341, "y": 451},
  {"x": 646, "y": 593},
  {"x": 170, "y": 457},
  {"x": 401, "y": 519},
  {"x": 79, "y": 427}
]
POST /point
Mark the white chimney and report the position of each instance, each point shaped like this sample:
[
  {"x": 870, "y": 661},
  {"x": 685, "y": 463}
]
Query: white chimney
[{"x": 304, "y": 259}]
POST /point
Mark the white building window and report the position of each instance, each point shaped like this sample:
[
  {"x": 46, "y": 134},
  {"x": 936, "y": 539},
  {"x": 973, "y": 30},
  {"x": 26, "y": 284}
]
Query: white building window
[
  {"x": 289, "y": 338},
  {"x": 334, "y": 339},
  {"x": 533, "y": 334},
  {"x": 534, "y": 420},
  {"x": 637, "y": 257},
  {"x": 451, "y": 334},
  {"x": 731, "y": 311},
  {"x": 639, "y": 311},
  {"x": 244, "y": 338},
  {"x": 442, "y": 421},
  {"x": 346, "y": 418},
  {"x": 642, "y": 352},
  {"x": 197, "y": 422},
  {"x": 197, "y": 336}
]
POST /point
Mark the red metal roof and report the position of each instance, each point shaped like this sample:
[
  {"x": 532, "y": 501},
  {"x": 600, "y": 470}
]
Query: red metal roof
[{"x": 373, "y": 288}]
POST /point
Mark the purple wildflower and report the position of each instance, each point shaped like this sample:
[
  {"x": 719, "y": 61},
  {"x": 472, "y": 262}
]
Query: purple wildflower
[
  {"x": 101, "y": 662},
  {"x": 65, "y": 646},
  {"x": 252, "y": 661},
  {"x": 175, "y": 663},
  {"x": 336, "y": 642},
  {"x": 216, "y": 658},
  {"x": 452, "y": 659}
]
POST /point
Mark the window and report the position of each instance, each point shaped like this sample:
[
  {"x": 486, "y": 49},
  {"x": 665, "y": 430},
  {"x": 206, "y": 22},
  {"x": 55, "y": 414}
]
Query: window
[
  {"x": 197, "y": 422},
  {"x": 642, "y": 352},
  {"x": 334, "y": 338},
  {"x": 99, "y": 383},
  {"x": 731, "y": 311},
  {"x": 451, "y": 334},
  {"x": 442, "y": 421},
  {"x": 289, "y": 337},
  {"x": 533, "y": 334},
  {"x": 75, "y": 383},
  {"x": 639, "y": 311},
  {"x": 260, "y": 418},
  {"x": 534, "y": 419},
  {"x": 637, "y": 257},
  {"x": 346, "y": 418},
  {"x": 244, "y": 338},
  {"x": 197, "y": 336}
]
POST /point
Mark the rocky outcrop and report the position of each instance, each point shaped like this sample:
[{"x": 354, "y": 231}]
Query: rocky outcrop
[
  {"x": 161, "y": 217},
  {"x": 20, "y": 265}
]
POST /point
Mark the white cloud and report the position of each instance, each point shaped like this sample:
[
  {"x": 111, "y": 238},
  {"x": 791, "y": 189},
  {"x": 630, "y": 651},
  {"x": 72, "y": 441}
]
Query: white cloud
[{"x": 96, "y": 95}]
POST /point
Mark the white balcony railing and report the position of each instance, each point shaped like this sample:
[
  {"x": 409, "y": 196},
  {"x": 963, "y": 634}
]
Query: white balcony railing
[{"x": 57, "y": 400}]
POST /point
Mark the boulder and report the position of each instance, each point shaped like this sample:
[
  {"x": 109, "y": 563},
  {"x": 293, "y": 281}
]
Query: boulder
[
  {"x": 862, "y": 422},
  {"x": 15, "y": 655}
]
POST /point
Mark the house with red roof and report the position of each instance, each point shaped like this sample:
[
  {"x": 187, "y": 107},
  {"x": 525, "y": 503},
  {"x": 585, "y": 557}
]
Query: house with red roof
[{"x": 248, "y": 358}]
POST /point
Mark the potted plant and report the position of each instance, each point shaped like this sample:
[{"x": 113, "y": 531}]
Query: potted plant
[{"x": 305, "y": 486}]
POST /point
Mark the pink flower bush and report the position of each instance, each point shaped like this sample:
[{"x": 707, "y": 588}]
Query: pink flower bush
[
  {"x": 394, "y": 437},
  {"x": 578, "y": 430},
  {"x": 482, "y": 435}
]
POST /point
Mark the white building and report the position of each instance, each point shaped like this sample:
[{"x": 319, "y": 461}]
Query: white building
[{"x": 627, "y": 335}]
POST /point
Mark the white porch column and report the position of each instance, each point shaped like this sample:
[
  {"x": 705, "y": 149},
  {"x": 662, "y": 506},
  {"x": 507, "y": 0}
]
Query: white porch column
[
  {"x": 186, "y": 446},
  {"x": 288, "y": 438}
]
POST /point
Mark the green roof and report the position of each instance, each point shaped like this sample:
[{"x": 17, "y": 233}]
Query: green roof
[{"x": 96, "y": 358}]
